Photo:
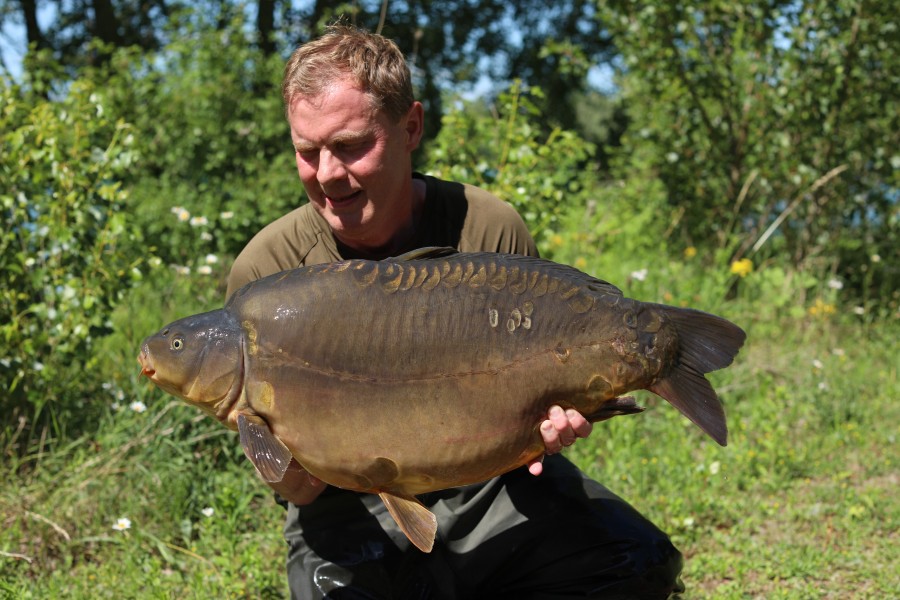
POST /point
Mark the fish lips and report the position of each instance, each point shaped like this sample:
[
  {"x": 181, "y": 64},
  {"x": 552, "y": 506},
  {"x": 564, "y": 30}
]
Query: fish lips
[{"x": 146, "y": 364}]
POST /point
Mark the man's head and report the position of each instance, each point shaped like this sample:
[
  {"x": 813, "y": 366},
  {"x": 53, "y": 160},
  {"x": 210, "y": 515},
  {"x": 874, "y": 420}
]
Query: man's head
[
  {"x": 354, "y": 125},
  {"x": 372, "y": 62}
]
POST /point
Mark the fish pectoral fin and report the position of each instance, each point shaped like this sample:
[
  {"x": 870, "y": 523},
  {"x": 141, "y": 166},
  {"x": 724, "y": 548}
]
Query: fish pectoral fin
[
  {"x": 267, "y": 453},
  {"x": 417, "y": 522}
]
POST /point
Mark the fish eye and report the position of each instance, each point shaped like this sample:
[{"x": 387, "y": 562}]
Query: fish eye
[{"x": 177, "y": 343}]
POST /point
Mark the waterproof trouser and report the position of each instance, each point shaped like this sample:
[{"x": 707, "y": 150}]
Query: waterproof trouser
[{"x": 557, "y": 535}]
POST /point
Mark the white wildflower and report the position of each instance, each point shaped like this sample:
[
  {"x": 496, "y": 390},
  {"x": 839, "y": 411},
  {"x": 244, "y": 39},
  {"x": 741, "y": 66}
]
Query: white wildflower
[
  {"x": 122, "y": 524},
  {"x": 137, "y": 406},
  {"x": 816, "y": 363},
  {"x": 204, "y": 270},
  {"x": 859, "y": 310},
  {"x": 640, "y": 275},
  {"x": 714, "y": 467},
  {"x": 208, "y": 511},
  {"x": 199, "y": 221},
  {"x": 835, "y": 284},
  {"x": 688, "y": 521},
  {"x": 211, "y": 259},
  {"x": 226, "y": 215}
]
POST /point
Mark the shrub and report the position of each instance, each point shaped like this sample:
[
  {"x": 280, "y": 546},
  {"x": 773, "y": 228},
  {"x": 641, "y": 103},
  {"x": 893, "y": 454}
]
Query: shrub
[{"x": 68, "y": 251}]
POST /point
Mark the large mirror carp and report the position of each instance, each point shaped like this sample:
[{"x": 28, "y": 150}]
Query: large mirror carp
[{"x": 432, "y": 370}]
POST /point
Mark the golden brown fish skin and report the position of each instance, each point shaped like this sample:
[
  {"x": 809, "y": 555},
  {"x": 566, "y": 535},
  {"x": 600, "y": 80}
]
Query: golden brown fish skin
[
  {"x": 431, "y": 370},
  {"x": 358, "y": 360},
  {"x": 198, "y": 359}
]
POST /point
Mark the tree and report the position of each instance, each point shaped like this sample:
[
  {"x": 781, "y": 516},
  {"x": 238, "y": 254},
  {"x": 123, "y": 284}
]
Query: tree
[
  {"x": 772, "y": 125},
  {"x": 451, "y": 43}
]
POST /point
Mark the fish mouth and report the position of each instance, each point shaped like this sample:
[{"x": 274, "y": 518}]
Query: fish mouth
[{"x": 146, "y": 365}]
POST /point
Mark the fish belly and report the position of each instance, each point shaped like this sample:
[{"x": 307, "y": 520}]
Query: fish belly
[{"x": 426, "y": 434}]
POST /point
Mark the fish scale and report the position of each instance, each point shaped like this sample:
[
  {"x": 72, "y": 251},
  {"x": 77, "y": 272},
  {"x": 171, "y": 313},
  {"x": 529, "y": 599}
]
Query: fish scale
[{"x": 431, "y": 370}]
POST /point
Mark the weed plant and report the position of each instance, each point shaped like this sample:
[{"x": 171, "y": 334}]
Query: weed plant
[{"x": 156, "y": 500}]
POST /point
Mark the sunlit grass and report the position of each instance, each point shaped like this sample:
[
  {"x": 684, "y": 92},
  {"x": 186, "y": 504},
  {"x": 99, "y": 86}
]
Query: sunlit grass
[{"x": 155, "y": 500}]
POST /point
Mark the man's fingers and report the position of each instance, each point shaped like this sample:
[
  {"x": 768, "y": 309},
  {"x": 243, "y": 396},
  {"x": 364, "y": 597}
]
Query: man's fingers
[
  {"x": 552, "y": 443},
  {"x": 581, "y": 426},
  {"x": 561, "y": 423}
]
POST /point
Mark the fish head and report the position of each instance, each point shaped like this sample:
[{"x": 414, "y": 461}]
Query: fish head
[{"x": 198, "y": 359}]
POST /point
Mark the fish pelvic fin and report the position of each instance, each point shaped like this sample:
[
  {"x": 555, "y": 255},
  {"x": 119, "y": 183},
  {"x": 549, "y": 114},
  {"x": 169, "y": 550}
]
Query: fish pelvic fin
[
  {"x": 705, "y": 343},
  {"x": 267, "y": 453},
  {"x": 417, "y": 522},
  {"x": 624, "y": 405}
]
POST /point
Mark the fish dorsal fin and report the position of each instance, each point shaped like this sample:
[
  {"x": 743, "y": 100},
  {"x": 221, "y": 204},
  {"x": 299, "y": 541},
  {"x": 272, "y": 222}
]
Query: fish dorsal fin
[
  {"x": 417, "y": 522},
  {"x": 425, "y": 253},
  {"x": 267, "y": 453}
]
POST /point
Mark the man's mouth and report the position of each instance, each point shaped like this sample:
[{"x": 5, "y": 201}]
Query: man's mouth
[{"x": 343, "y": 201}]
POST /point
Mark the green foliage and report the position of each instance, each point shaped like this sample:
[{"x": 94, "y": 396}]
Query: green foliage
[
  {"x": 756, "y": 179},
  {"x": 508, "y": 153},
  {"x": 67, "y": 249},
  {"x": 773, "y": 128},
  {"x": 217, "y": 162}
]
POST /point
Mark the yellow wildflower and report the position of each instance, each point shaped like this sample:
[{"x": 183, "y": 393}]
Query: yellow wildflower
[
  {"x": 580, "y": 262},
  {"x": 690, "y": 252},
  {"x": 821, "y": 308},
  {"x": 742, "y": 267}
]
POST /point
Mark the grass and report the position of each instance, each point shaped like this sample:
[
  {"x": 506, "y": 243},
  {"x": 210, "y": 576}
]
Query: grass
[{"x": 801, "y": 503}]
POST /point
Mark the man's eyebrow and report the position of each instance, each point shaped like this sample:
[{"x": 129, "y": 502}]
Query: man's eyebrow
[{"x": 339, "y": 138}]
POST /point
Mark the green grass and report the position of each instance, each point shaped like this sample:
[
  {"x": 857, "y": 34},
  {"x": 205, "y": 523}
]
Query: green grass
[{"x": 800, "y": 504}]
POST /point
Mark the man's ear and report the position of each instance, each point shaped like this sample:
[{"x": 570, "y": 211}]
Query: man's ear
[{"x": 414, "y": 124}]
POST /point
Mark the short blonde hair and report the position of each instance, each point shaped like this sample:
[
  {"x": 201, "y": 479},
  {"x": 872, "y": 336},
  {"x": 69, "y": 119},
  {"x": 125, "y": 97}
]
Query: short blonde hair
[{"x": 373, "y": 62}]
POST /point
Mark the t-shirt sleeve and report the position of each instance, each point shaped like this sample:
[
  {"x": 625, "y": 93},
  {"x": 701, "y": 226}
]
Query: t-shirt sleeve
[
  {"x": 281, "y": 245},
  {"x": 492, "y": 225}
]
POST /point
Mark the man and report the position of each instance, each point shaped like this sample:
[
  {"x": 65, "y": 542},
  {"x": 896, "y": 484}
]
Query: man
[{"x": 354, "y": 125}]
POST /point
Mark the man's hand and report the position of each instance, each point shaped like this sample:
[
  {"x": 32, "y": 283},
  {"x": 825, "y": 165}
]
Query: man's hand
[
  {"x": 560, "y": 429},
  {"x": 298, "y": 486}
]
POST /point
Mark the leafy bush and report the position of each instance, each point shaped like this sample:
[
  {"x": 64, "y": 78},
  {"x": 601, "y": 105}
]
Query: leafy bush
[
  {"x": 69, "y": 251},
  {"x": 773, "y": 128},
  {"x": 506, "y": 151},
  {"x": 217, "y": 161}
]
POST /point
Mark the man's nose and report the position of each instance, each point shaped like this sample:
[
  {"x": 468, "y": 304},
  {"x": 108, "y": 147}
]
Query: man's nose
[{"x": 330, "y": 168}]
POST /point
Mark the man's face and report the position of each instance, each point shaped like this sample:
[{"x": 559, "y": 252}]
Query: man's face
[{"x": 355, "y": 163}]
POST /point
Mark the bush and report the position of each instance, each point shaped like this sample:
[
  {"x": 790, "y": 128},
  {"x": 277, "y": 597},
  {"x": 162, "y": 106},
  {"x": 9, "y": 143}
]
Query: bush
[
  {"x": 506, "y": 151},
  {"x": 69, "y": 251}
]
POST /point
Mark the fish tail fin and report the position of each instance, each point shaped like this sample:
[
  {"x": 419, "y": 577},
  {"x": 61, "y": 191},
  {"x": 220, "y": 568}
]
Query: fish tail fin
[{"x": 705, "y": 343}]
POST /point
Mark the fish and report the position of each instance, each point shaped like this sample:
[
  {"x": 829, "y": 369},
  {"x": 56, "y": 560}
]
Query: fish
[{"x": 430, "y": 370}]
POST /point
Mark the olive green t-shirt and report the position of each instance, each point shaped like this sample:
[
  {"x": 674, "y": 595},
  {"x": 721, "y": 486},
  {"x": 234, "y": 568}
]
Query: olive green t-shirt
[{"x": 457, "y": 215}]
